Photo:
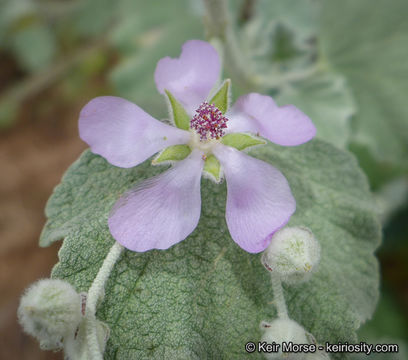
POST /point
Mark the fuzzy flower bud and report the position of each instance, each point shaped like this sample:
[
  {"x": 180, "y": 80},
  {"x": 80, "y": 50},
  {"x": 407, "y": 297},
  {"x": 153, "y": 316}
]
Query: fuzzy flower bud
[
  {"x": 293, "y": 254},
  {"x": 50, "y": 310},
  {"x": 283, "y": 330}
]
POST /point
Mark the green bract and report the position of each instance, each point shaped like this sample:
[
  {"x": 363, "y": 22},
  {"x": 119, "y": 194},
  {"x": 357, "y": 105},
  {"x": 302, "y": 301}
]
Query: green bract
[
  {"x": 205, "y": 297},
  {"x": 221, "y": 98},
  {"x": 172, "y": 153},
  {"x": 241, "y": 141},
  {"x": 181, "y": 120},
  {"x": 213, "y": 167},
  {"x": 178, "y": 113}
]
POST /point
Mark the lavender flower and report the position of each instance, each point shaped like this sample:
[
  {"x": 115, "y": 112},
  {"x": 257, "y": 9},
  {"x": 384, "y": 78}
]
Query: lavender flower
[{"x": 165, "y": 209}]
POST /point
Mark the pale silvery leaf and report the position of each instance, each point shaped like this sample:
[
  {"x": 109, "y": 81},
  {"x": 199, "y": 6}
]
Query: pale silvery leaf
[
  {"x": 205, "y": 297},
  {"x": 299, "y": 14},
  {"x": 327, "y": 100},
  {"x": 367, "y": 43},
  {"x": 280, "y": 31}
]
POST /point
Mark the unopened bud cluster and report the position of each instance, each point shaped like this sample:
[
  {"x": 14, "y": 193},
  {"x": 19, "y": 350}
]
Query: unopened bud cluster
[
  {"x": 292, "y": 255},
  {"x": 50, "y": 310}
]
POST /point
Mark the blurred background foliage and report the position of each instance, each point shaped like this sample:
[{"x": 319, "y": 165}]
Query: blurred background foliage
[{"x": 344, "y": 63}]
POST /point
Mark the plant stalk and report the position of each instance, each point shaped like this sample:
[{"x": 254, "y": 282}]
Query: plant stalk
[
  {"x": 279, "y": 298},
  {"x": 95, "y": 292}
]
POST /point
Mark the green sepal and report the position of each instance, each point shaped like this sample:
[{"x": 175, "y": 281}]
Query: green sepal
[
  {"x": 241, "y": 141},
  {"x": 180, "y": 116},
  {"x": 213, "y": 167},
  {"x": 172, "y": 153},
  {"x": 220, "y": 99}
]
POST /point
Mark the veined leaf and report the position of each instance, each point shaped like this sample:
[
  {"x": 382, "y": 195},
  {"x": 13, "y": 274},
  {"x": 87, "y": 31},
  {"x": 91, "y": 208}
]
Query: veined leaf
[{"x": 205, "y": 297}]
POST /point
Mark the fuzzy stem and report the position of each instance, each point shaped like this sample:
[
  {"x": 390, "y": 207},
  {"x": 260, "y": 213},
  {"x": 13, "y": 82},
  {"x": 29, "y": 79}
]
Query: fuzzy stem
[
  {"x": 279, "y": 297},
  {"x": 219, "y": 27},
  {"x": 95, "y": 291}
]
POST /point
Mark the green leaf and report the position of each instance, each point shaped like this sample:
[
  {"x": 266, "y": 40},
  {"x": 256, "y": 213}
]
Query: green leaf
[
  {"x": 279, "y": 37},
  {"x": 221, "y": 98},
  {"x": 327, "y": 100},
  {"x": 205, "y": 297},
  {"x": 102, "y": 13},
  {"x": 241, "y": 141},
  {"x": 173, "y": 153},
  {"x": 213, "y": 167},
  {"x": 298, "y": 14},
  {"x": 35, "y": 46},
  {"x": 180, "y": 116},
  {"x": 368, "y": 46}
]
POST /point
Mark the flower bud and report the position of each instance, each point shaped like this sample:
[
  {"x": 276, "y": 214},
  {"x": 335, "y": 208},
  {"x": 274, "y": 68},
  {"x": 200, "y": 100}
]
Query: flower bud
[
  {"x": 283, "y": 330},
  {"x": 50, "y": 310},
  {"x": 293, "y": 254}
]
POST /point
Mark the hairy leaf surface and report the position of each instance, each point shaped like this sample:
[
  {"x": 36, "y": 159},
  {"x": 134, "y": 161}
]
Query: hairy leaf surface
[
  {"x": 205, "y": 297},
  {"x": 367, "y": 43}
]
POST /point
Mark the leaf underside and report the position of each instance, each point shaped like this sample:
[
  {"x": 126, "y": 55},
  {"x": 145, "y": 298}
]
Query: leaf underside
[{"x": 205, "y": 297}]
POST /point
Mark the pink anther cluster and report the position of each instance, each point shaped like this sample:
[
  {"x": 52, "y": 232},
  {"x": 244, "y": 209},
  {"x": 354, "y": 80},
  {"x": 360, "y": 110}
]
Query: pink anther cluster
[{"x": 209, "y": 122}]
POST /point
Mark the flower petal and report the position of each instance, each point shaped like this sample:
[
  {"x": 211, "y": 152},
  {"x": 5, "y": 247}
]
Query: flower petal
[
  {"x": 259, "y": 200},
  {"x": 191, "y": 76},
  {"x": 161, "y": 211},
  {"x": 123, "y": 133},
  {"x": 285, "y": 125}
]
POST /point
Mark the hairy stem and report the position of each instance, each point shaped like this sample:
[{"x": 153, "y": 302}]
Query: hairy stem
[
  {"x": 95, "y": 292},
  {"x": 279, "y": 298}
]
